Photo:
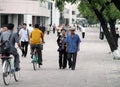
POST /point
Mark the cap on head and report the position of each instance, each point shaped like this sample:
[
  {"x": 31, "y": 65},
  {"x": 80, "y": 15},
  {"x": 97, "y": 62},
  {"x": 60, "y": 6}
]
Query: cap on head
[{"x": 72, "y": 28}]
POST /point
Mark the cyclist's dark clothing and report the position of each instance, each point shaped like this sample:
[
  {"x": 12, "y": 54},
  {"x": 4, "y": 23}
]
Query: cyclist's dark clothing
[{"x": 38, "y": 48}]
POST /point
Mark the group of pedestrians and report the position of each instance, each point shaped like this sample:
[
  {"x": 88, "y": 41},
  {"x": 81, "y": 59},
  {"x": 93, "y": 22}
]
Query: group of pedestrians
[
  {"x": 69, "y": 45},
  {"x": 23, "y": 38}
]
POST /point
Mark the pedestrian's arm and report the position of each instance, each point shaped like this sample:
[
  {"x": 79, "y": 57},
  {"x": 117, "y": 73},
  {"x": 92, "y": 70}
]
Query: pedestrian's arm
[
  {"x": 78, "y": 46},
  {"x": 42, "y": 37},
  {"x": 19, "y": 45},
  {"x": 66, "y": 47}
]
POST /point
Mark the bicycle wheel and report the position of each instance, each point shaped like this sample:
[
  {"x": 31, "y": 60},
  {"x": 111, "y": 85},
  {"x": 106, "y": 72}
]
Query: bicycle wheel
[
  {"x": 34, "y": 65},
  {"x": 34, "y": 62},
  {"x": 16, "y": 75},
  {"x": 6, "y": 72}
]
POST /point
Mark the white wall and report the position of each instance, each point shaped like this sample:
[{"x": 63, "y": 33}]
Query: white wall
[{"x": 28, "y": 19}]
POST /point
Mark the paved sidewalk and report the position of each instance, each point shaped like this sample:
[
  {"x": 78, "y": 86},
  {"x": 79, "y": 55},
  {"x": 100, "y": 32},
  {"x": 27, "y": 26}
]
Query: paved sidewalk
[{"x": 95, "y": 66}]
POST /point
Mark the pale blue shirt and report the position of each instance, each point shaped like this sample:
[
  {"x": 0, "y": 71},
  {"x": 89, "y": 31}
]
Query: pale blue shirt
[{"x": 73, "y": 42}]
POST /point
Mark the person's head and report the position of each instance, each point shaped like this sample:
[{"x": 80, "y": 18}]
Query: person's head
[
  {"x": 36, "y": 25},
  {"x": 10, "y": 26},
  {"x": 4, "y": 29},
  {"x": 24, "y": 25},
  {"x": 72, "y": 30},
  {"x": 63, "y": 31},
  {"x": 30, "y": 25}
]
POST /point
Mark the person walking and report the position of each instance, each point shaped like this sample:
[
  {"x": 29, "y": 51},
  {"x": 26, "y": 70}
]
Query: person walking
[
  {"x": 36, "y": 39},
  {"x": 24, "y": 38},
  {"x": 83, "y": 31},
  {"x": 73, "y": 46},
  {"x": 13, "y": 39},
  {"x": 43, "y": 29},
  {"x": 54, "y": 28},
  {"x": 30, "y": 28},
  {"x": 61, "y": 41}
]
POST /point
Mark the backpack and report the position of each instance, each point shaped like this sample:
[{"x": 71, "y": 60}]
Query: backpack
[{"x": 6, "y": 46}]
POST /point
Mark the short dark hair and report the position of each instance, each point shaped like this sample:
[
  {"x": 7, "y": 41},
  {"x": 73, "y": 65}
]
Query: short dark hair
[
  {"x": 63, "y": 30},
  {"x": 36, "y": 25},
  {"x": 30, "y": 24},
  {"x": 24, "y": 24},
  {"x": 10, "y": 26}
]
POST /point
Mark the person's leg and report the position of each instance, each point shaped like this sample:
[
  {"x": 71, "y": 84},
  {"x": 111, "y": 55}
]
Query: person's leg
[
  {"x": 22, "y": 46},
  {"x": 26, "y": 48},
  {"x": 74, "y": 60},
  {"x": 69, "y": 60},
  {"x": 39, "y": 54},
  {"x": 60, "y": 60},
  {"x": 64, "y": 60},
  {"x": 32, "y": 49},
  {"x": 16, "y": 58}
]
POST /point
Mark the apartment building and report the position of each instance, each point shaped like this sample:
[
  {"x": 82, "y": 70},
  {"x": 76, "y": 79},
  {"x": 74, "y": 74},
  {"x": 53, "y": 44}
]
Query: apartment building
[
  {"x": 28, "y": 11},
  {"x": 70, "y": 14},
  {"x": 34, "y": 11}
]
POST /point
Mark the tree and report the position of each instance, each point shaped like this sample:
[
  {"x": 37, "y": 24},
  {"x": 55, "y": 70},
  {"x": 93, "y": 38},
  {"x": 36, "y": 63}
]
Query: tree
[
  {"x": 107, "y": 13},
  {"x": 117, "y": 3}
]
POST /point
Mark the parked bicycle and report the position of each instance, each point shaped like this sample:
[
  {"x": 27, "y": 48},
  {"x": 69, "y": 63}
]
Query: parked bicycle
[{"x": 8, "y": 70}]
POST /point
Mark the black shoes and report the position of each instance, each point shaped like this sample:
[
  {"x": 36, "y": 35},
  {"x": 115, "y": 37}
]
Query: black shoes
[{"x": 17, "y": 69}]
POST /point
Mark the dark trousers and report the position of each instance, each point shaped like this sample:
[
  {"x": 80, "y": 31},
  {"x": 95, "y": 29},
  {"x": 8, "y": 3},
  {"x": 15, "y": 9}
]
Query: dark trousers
[
  {"x": 24, "y": 46},
  {"x": 83, "y": 34},
  {"x": 39, "y": 50},
  {"x": 62, "y": 59},
  {"x": 53, "y": 30},
  {"x": 72, "y": 60},
  {"x": 16, "y": 57}
]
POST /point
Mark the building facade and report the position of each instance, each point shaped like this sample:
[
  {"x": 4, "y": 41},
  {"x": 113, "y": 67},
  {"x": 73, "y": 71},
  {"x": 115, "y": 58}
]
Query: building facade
[
  {"x": 34, "y": 11},
  {"x": 28, "y": 11}
]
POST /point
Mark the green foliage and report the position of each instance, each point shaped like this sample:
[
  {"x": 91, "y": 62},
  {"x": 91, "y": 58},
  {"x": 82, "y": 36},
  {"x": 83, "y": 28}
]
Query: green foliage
[
  {"x": 87, "y": 12},
  {"x": 107, "y": 8},
  {"x": 60, "y": 4}
]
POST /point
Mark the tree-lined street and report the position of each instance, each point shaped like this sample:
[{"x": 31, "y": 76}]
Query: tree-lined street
[{"x": 95, "y": 66}]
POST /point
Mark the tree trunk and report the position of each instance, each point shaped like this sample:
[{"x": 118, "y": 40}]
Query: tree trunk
[
  {"x": 113, "y": 31},
  {"x": 108, "y": 35}
]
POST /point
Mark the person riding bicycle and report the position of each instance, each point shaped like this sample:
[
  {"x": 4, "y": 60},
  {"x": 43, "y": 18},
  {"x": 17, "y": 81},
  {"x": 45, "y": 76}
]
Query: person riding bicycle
[
  {"x": 36, "y": 39},
  {"x": 13, "y": 39}
]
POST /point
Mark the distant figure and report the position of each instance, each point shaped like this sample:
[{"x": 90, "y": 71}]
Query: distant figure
[
  {"x": 117, "y": 34},
  {"x": 83, "y": 31},
  {"x": 73, "y": 46},
  {"x": 54, "y": 28},
  {"x": 30, "y": 28},
  {"x": 43, "y": 29},
  {"x": 59, "y": 28}
]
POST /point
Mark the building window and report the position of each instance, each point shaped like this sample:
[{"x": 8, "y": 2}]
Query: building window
[
  {"x": 49, "y": 5},
  {"x": 73, "y": 12}
]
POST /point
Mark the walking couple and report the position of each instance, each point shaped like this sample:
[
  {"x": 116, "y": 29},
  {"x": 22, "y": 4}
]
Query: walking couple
[{"x": 68, "y": 47}]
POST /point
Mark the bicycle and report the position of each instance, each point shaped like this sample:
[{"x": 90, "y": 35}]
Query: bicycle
[
  {"x": 35, "y": 59},
  {"x": 8, "y": 70}
]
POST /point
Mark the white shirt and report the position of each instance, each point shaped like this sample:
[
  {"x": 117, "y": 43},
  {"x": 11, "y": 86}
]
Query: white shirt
[
  {"x": 24, "y": 34},
  {"x": 30, "y": 29}
]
